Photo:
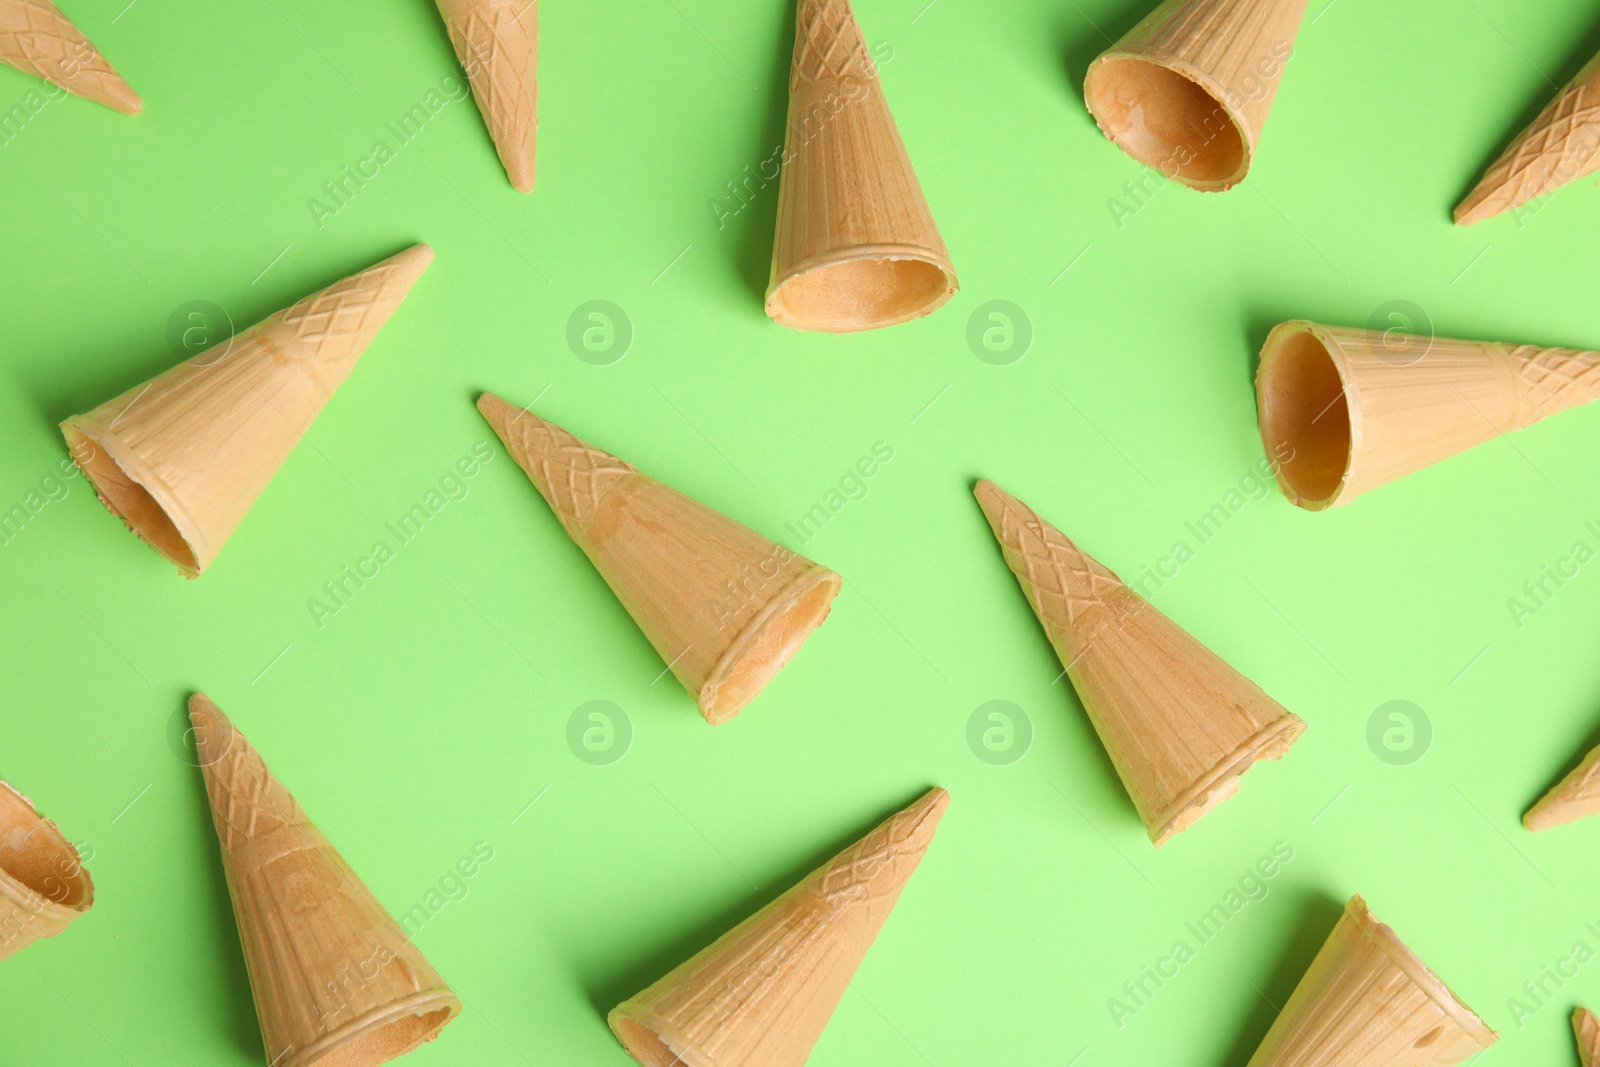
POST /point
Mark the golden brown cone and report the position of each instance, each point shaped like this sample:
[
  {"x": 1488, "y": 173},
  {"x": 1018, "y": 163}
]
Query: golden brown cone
[
  {"x": 1560, "y": 146},
  {"x": 1366, "y": 1001},
  {"x": 43, "y": 883},
  {"x": 724, "y": 606},
  {"x": 1180, "y": 725},
  {"x": 497, "y": 42},
  {"x": 1188, "y": 90},
  {"x": 1586, "y": 1029},
  {"x": 1343, "y": 411},
  {"x": 181, "y": 458},
  {"x": 37, "y": 38},
  {"x": 762, "y": 993},
  {"x": 856, "y": 246},
  {"x": 1576, "y": 795},
  {"x": 336, "y": 981}
]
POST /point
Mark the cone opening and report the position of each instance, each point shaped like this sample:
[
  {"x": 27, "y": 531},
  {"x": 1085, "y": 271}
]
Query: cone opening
[
  {"x": 1168, "y": 122},
  {"x": 1305, "y": 416},
  {"x": 644, "y": 1044},
  {"x": 34, "y": 855},
  {"x": 387, "y": 1042},
  {"x": 860, "y": 293},
  {"x": 130, "y": 501},
  {"x": 767, "y": 643}
]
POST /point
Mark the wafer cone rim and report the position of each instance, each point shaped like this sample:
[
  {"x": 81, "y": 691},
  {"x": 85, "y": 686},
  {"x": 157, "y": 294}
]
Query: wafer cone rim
[
  {"x": 795, "y": 597},
  {"x": 1201, "y": 80},
  {"x": 1586, "y": 1051},
  {"x": 1420, "y": 973},
  {"x": 1270, "y": 351},
  {"x": 654, "y": 1031},
  {"x": 1271, "y": 742},
  {"x": 863, "y": 253},
  {"x": 15, "y": 891},
  {"x": 84, "y": 435},
  {"x": 420, "y": 1005}
]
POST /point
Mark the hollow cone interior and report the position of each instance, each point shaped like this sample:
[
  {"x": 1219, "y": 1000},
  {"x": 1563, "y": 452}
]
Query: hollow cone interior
[
  {"x": 43, "y": 883},
  {"x": 856, "y": 245}
]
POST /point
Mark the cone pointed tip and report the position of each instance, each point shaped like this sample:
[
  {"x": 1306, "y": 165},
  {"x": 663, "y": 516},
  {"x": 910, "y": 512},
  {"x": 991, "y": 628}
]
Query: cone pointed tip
[{"x": 1473, "y": 209}]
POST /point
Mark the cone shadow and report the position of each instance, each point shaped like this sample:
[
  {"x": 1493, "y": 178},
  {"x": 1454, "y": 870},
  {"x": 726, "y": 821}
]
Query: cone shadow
[
  {"x": 1083, "y": 39},
  {"x": 1317, "y": 913},
  {"x": 242, "y": 1026},
  {"x": 753, "y": 257},
  {"x": 607, "y": 991}
]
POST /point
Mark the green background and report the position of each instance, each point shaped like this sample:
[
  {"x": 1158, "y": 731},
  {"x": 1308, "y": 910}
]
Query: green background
[{"x": 427, "y": 714}]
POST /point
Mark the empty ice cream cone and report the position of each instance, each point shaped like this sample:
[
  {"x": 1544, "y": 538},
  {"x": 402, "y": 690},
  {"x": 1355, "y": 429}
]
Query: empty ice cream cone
[
  {"x": 762, "y": 993},
  {"x": 1560, "y": 146},
  {"x": 1366, "y": 1001},
  {"x": 1180, "y": 725},
  {"x": 43, "y": 883},
  {"x": 1187, "y": 91},
  {"x": 336, "y": 981},
  {"x": 497, "y": 42},
  {"x": 1587, "y": 1031},
  {"x": 1576, "y": 795},
  {"x": 37, "y": 38},
  {"x": 724, "y": 606},
  {"x": 1348, "y": 410},
  {"x": 856, "y": 247},
  {"x": 181, "y": 458}
]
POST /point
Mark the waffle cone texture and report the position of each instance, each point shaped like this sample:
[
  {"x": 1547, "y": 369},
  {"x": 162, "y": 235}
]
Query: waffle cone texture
[
  {"x": 43, "y": 883},
  {"x": 1180, "y": 725},
  {"x": 1187, "y": 91},
  {"x": 856, "y": 247},
  {"x": 1574, "y": 797},
  {"x": 37, "y": 38},
  {"x": 1345, "y": 411},
  {"x": 1368, "y": 1001},
  {"x": 1560, "y": 146},
  {"x": 497, "y": 42},
  {"x": 723, "y": 606},
  {"x": 1586, "y": 1030},
  {"x": 336, "y": 981},
  {"x": 181, "y": 458},
  {"x": 761, "y": 994}
]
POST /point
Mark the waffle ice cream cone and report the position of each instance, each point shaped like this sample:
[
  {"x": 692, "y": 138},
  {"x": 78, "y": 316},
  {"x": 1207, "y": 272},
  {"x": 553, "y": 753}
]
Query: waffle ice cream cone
[
  {"x": 182, "y": 458},
  {"x": 43, "y": 883},
  {"x": 1347, "y": 410},
  {"x": 336, "y": 981},
  {"x": 37, "y": 38},
  {"x": 1560, "y": 146},
  {"x": 762, "y": 993},
  {"x": 497, "y": 42},
  {"x": 856, "y": 246},
  {"x": 725, "y": 607},
  {"x": 1188, "y": 90},
  {"x": 1367, "y": 1001},
  {"x": 1586, "y": 1029},
  {"x": 1179, "y": 724},
  {"x": 1575, "y": 796}
]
